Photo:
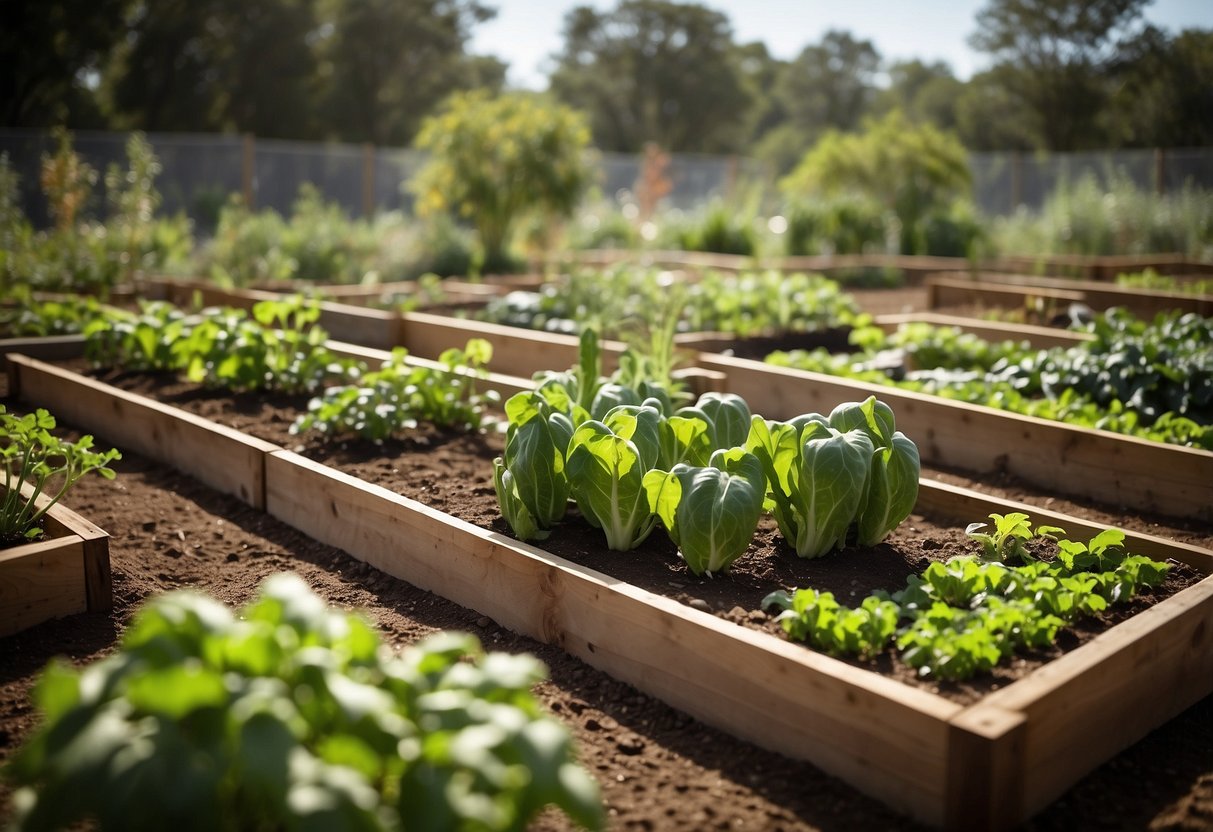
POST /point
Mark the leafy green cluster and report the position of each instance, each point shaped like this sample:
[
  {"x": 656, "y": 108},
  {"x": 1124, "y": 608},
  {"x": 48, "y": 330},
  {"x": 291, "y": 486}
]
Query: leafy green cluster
[
  {"x": 24, "y": 316},
  {"x": 33, "y": 455},
  {"x": 1150, "y": 279},
  {"x": 1149, "y": 379},
  {"x": 292, "y": 716},
  {"x": 707, "y": 471},
  {"x": 625, "y": 296},
  {"x": 399, "y": 396},
  {"x": 277, "y": 348},
  {"x": 962, "y": 617},
  {"x": 851, "y": 474}
]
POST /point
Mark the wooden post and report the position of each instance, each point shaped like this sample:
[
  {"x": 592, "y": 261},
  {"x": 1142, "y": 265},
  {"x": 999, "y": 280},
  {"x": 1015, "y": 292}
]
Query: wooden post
[
  {"x": 1160, "y": 171},
  {"x": 368, "y": 180},
  {"x": 248, "y": 171},
  {"x": 1016, "y": 179}
]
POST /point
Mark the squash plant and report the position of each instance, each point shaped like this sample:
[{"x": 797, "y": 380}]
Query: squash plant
[
  {"x": 33, "y": 455},
  {"x": 290, "y": 715}
]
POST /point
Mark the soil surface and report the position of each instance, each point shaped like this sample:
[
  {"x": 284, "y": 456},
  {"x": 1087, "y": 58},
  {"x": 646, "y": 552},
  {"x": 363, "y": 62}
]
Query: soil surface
[{"x": 658, "y": 768}]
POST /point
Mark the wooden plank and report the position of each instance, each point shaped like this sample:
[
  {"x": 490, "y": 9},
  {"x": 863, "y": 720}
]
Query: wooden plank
[
  {"x": 1040, "y": 337},
  {"x": 516, "y": 352},
  {"x": 1088, "y": 705},
  {"x": 985, "y": 769},
  {"x": 61, "y": 521},
  {"x": 1017, "y": 290},
  {"x": 225, "y": 459},
  {"x": 940, "y": 500},
  {"x": 46, "y": 348},
  {"x": 1068, "y": 459},
  {"x": 40, "y": 581},
  {"x": 886, "y": 738}
]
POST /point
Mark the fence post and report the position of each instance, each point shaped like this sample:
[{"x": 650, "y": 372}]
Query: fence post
[
  {"x": 1160, "y": 171},
  {"x": 1016, "y": 180},
  {"x": 248, "y": 171},
  {"x": 368, "y": 180}
]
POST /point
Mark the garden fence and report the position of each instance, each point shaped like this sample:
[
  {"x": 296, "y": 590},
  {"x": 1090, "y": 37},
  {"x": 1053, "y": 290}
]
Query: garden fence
[{"x": 200, "y": 172}]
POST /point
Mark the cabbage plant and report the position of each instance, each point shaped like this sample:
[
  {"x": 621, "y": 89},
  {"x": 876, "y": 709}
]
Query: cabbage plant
[
  {"x": 711, "y": 512},
  {"x": 727, "y": 418}
]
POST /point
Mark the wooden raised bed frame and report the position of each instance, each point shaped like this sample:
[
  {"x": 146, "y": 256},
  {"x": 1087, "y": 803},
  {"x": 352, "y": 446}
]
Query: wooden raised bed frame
[
  {"x": 1011, "y": 291},
  {"x": 989, "y": 765},
  {"x": 67, "y": 572}
]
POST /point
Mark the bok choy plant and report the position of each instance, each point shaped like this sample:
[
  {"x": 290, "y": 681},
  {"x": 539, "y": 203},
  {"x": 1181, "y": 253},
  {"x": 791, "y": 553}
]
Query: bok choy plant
[
  {"x": 827, "y": 476},
  {"x": 711, "y": 512},
  {"x": 531, "y": 482},
  {"x": 607, "y": 462}
]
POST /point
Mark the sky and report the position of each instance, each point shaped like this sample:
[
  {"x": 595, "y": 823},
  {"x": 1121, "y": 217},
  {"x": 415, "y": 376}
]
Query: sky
[{"x": 526, "y": 33}]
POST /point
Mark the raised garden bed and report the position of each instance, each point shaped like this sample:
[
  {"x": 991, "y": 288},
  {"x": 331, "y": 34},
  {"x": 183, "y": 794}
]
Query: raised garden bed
[
  {"x": 1113, "y": 468},
  {"x": 940, "y": 761},
  {"x": 65, "y": 573},
  {"x": 1002, "y": 291},
  {"x": 1096, "y": 267}
]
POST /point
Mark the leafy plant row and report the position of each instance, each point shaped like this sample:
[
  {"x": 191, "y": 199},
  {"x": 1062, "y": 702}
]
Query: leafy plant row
[
  {"x": 1149, "y": 379},
  {"x": 625, "y": 297},
  {"x": 280, "y": 348},
  {"x": 290, "y": 715},
  {"x": 707, "y": 472},
  {"x": 962, "y": 617}
]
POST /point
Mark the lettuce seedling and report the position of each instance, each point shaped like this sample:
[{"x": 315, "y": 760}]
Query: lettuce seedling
[
  {"x": 1005, "y": 543},
  {"x": 710, "y": 512},
  {"x": 607, "y": 462}
]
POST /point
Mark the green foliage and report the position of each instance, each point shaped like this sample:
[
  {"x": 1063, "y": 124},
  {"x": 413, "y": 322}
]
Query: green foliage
[
  {"x": 33, "y": 455},
  {"x": 399, "y": 396},
  {"x": 531, "y": 483},
  {"x": 827, "y": 476},
  {"x": 912, "y": 170},
  {"x": 495, "y": 160},
  {"x": 149, "y": 339},
  {"x": 1152, "y": 280},
  {"x": 711, "y": 512},
  {"x": 27, "y": 317},
  {"x": 844, "y": 223},
  {"x": 626, "y": 297},
  {"x": 291, "y": 715},
  {"x": 1152, "y": 379},
  {"x": 962, "y": 617},
  {"x": 1087, "y": 217},
  {"x": 719, "y": 227}
]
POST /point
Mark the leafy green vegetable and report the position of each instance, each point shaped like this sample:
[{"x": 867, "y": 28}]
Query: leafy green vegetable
[
  {"x": 33, "y": 455},
  {"x": 816, "y": 618},
  {"x": 712, "y": 512},
  {"x": 607, "y": 462},
  {"x": 400, "y": 395},
  {"x": 531, "y": 481},
  {"x": 1005, "y": 543},
  {"x": 292, "y": 716}
]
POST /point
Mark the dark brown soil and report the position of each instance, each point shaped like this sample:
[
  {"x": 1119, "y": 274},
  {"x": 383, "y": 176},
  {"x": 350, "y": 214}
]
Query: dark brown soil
[{"x": 658, "y": 768}]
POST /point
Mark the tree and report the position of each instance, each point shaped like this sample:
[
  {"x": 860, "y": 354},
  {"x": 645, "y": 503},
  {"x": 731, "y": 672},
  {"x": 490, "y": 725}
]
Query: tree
[
  {"x": 52, "y": 50},
  {"x": 829, "y": 85},
  {"x": 1163, "y": 91},
  {"x": 652, "y": 70},
  {"x": 387, "y": 63},
  {"x": 234, "y": 65},
  {"x": 913, "y": 170},
  {"x": 495, "y": 160},
  {"x": 1050, "y": 56},
  {"x": 924, "y": 92}
]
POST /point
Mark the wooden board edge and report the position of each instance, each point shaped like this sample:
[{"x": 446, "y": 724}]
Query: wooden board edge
[
  {"x": 67, "y": 599},
  {"x": 985, "y": 769},
  {"x": 98, "y": 581},
  {"x": 239, "y": 470},
  {"x": 49, "y": 348},
  {"x": 601, "y": 620}
]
